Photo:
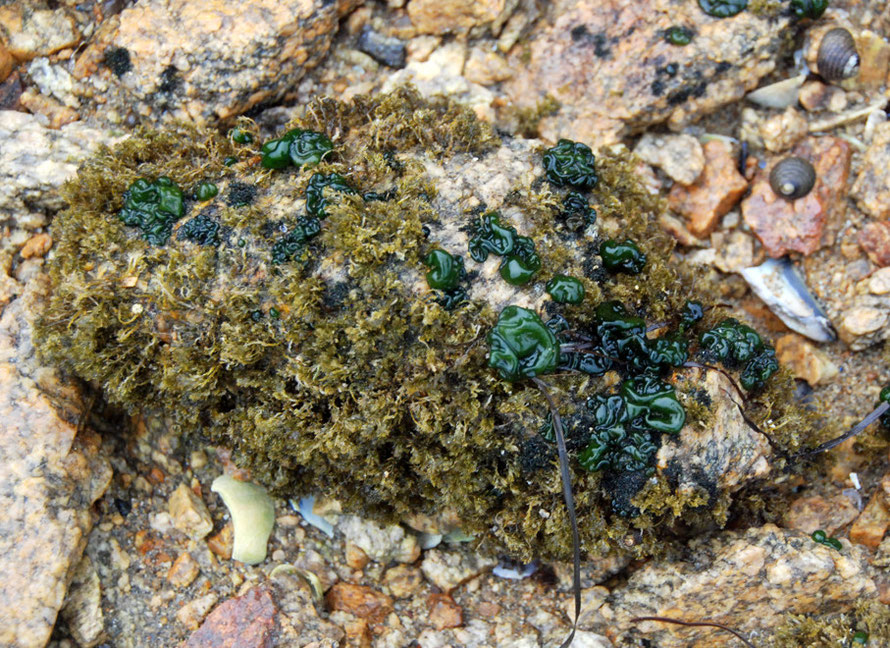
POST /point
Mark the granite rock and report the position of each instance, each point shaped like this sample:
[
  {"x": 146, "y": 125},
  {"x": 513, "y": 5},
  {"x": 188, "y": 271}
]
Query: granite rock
[
  {"x": 871, "y": 525},
  {"x": 359, "y": 600},
  {"x": 874, "y": 239},
  {"x": 871, "y": 190},
  {"x": 812, "y": 512},
  {"x": 808, "y": 223},
  {"x": 381, "y": 543},
  {"x": 83, "y": 606},
  {"x": 713, "y": 194},
  {"x": 35, "y": 161},
  {"x": 460, "y": 16},
  {"x": 805, "y": 360},
  {"x": 29, "y": 32},
  {"x": 189, "y": 513},
  {"x": 782, "y": 131},
  {"x": 204, "y": 61},
  {"x": 866, "y": 322},
  {"x": 748, "y": 581},
  {"x": 727, "y": 453},
  {"x": 679, "y": 156},
  {"x": 51, "y": 476},
  {"x": 609, "y": 66},
  {"x": 448, "y": 569},
  {"x": 246, "y": 621}
]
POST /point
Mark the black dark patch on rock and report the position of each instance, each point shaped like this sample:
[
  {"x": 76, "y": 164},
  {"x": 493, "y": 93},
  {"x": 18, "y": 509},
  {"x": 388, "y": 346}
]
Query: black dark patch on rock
[
  {"x": 535, "y": 454},
  {"x": 170, "y": 79},
  {"x": 241, "y": 194},
  {"x": 383, "y": 49},
  {"x": 681, "y": 95},
  {"x": 722, "y": 67},
  {"x": 117, "y": 59},
  {"x": 599, "y": 40},
  {"x": 657, "y": 88},
  {"x": 621, "y": 487}
]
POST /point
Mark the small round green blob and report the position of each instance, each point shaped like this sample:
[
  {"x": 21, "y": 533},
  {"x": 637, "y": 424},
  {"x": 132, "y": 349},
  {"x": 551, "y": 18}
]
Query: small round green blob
[
  {"x": 518, "y": 270},
  {"x": 242, "y": 242},
  {"x": 622, "y": 257},
  {"x": 860, "y": 638},
  {"x": 834, "y": 543},
  {"x": 256, "y": 315},
  {"x": 565, "y": 290},
  {"x": 678, "y": 35},
  {"x": 274, "y": 313},
  {"x": 723, "y": 8},
  {"x": 445, "y": 270},
  {"x": 297, "y": 147},
  {"x": 230, "y": 160},
  {"x": 275, "y": 154},
  {"x": 819, "y": 536},
  {"x": 521, "y": 345},
  {"x": 884, "y": 397},
  {"x": 809, "y": 8},
  {"x": 240, "y": 135},
  {"x": 205, "y": 191}
]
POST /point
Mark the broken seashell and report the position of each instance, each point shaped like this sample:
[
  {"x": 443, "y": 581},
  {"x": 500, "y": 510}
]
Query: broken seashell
[
  {"x": 305, "y": 506},
  {"x": 782, "y": 288},
  {"x": 778, "y": 95},
  {"x": 253, "y": 516}
]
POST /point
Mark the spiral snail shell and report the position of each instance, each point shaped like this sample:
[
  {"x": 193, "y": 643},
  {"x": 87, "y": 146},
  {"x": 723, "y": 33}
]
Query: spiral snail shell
[
  {"x": 792, "y": 178},
  {"x": 837, "y": 57}
]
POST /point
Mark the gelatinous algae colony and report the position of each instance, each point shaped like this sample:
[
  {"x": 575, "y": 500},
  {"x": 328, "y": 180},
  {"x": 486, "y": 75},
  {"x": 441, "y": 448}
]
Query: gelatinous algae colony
[{"x": 311, "y": 344}]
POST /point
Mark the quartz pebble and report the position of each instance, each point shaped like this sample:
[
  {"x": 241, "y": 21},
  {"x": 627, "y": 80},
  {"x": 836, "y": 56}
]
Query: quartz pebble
[
  {"x": 812, "y": 512},
  {"x": 871, "y": 525},
  {"x": 444, "y": 612},
  {"x": 359, "y": 600},
  {"x": 448, "y": 569},
  {"x": 781, "y": 132},
  {"x": 871, "y": 190},
  {"x": 805, "y": 360}
]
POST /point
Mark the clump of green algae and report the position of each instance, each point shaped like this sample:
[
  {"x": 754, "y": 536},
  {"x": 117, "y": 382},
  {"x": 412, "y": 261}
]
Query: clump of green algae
[{"x": 358, "y": 384}]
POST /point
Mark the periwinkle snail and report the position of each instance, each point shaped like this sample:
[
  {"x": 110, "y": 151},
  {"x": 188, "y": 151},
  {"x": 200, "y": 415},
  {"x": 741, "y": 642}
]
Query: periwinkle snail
[
  {"x": 792, "y": 178},
  {"x": 837, "y": 57}
]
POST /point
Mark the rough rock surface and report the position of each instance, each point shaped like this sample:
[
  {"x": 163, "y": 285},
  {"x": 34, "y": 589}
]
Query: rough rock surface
[
  {"x": 246, "y": 621},
  {"x": 28, "y": 32},
  {"x": 612, "y": 70},
  {"x": 805, "y": 360},
  {"x": 437, "y": 17},
  {"x": 724, "y": 454},
  {"x": 713, "y": 194},
  {"x": 872, "y": 187},
  {"x": 679, "y": 156},
  {"x": 808, "y": 223},
  {"x": 871, "y": 525},
  {"x": 203, "y": 61},
  {"x": 50, "y": 478},
  {"x": 35, "y": 161},
  {"x": 747, "y": 581},
  {"x": 875, "y": 241},
  {"x": 807, "y": 514}
]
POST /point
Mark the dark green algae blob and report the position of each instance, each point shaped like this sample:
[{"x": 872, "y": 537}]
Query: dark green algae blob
[
  {"x": 565, "y": 290},
  {"x": 153, "y": 206},
  {"x": 364, "y": 388},
  {"x": 723, "y": 8}
]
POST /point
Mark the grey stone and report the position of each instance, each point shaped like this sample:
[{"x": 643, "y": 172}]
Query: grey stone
[{"x": 383, "y": 49}]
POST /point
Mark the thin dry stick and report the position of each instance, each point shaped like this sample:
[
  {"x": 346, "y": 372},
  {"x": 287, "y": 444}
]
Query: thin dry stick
[
  {"x": 708, "y": 624},
  {"x": 570, "y": 505}
]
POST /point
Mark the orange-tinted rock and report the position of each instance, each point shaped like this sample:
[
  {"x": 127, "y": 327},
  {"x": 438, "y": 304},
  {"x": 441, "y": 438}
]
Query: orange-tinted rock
[
  {"x": 871, "y": 525},
  {"x": 183, "y": 570},
  {"x": 716, "y": 191},
  {"x": 442, "y": 16},
  {"x": 29, "y": 32},
  {"x": 360, "y": 601},
  {"x": 808, "y": 223},
  {"x": 37, "y": 245},
  {"x": 444, "y": 612},
  {"x": 221, "y": 543},
  {"x": 355, "y": 557},
  {"x": 358, "y": 634},
  {"x": 609, "y": 66},
  {"x": 246, "y": 621},
  {"x": 872, "y": 187},
  {"x": 6, "y": 62},
  {"x": 805, "y": 360},
  {"x": 814, "y": 512},
  {"x": 875, "y": 240}
]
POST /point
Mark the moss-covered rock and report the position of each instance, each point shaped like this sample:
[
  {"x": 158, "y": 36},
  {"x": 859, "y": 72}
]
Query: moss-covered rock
[{"x": 314, "y": 346}]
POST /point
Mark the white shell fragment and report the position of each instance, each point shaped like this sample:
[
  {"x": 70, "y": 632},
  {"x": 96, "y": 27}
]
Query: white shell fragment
[
  {"x": 778, "y": 95},
  {"x": 305, "y": 507},
  {"x": 781, "y": 287},
  {"x": 515, "y": 571},
  {"x": 253, "y": 516}
]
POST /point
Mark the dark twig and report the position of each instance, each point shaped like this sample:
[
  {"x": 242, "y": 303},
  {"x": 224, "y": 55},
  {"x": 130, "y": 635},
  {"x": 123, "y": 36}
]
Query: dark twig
[
  {"x": 859, "y": 427},
  {"x": 570, "y": 505},
  {"x": 695, "y": 624}
]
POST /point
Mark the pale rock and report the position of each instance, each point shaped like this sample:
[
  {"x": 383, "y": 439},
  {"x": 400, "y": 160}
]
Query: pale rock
[
  {"x": 871, "y": 190},
  {"x": 53, "y": 80},
  {"x": 863, "y": 325},
  {"x": 83, "y": 606},
  {"x": 50, "y": 478},
  {"x": 746, "y": 580},
  {"x": 445, "y": 16},
  {"x": 680, "y": 156},
  {"x": 380, "y": 543},
  {"x": 189, "y": 513},
  {"x": 28, "y": 33},
  {"x": 448, "y": 569},
  {"x": 805, "y": 360},
  {"x": 781, "y": 132},
  {"x": 192, "y": 613},
  {"x": 879, "y": 282},
  {"x": 486, "y": 67}
]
